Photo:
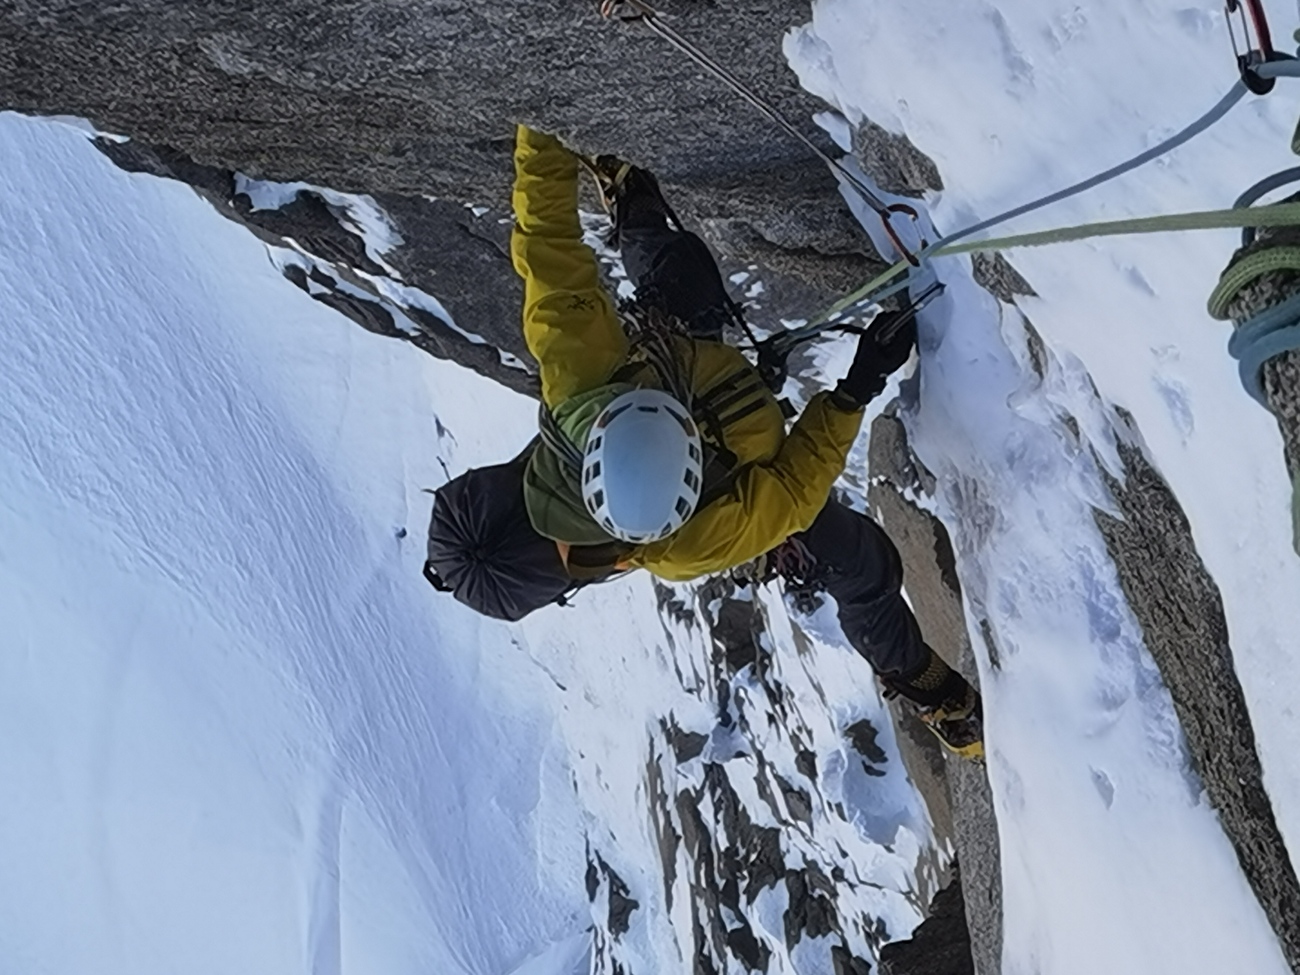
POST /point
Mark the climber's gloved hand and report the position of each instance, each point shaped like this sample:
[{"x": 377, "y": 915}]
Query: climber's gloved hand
[{"x": 883, "y": 348}]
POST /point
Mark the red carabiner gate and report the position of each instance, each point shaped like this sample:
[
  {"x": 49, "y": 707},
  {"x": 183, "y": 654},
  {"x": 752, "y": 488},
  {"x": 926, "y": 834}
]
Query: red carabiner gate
[
  {"x": 1252, "y": 10},
  {"x": 894, "y": 238}
]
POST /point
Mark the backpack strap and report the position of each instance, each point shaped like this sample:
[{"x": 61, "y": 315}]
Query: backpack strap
[
  {"x": 563, "y": 448},
  {"x": 729, "y": 400},
  {"x": 435, "y": 580},
  {"x": 595, "y": 563}
]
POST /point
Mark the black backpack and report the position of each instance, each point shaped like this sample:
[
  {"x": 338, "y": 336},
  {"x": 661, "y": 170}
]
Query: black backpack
[{"x": 483, "y": 549}]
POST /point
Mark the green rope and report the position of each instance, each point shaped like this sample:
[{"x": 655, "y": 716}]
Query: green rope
[
  {"x": 866, "y": 291},
  {"x": 1276, "y": 215},
  {"x": 1248, "y": 269}
]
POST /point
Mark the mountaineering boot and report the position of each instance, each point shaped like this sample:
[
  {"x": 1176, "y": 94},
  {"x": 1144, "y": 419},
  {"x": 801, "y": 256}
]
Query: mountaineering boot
[
  {"x": 958, "y": 722},
  {"x": 946, "y": 704},
  {"x": 627, "y": 192}
]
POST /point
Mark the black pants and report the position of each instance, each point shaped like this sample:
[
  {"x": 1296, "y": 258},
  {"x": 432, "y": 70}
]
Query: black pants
[
  {"x": 856, "y": 563},
  {"x": 673, "y": 270}
]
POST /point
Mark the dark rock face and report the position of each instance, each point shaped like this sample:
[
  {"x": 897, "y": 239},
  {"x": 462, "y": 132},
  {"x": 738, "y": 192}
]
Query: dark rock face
[
  {"x": 893, "y": 162},
  {"x": 1181, "y": 613},
  {"x": 940, "y": 946},
  {"x": 994, "y": 274},
  {"x": 1281, "y": 381},
  {"x": 420, "y": 100},
  {"x": 956, "y": 792},
  {"x": 601, "y": 877},
  {"x": 447, "y": 251}
]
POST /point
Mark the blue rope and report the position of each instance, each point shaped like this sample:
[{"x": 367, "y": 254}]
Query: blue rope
[
  {"x": 1271, "y": 333},
  {"x": 1220, "y": 109},
  {"x": 1224, "y": 105}
]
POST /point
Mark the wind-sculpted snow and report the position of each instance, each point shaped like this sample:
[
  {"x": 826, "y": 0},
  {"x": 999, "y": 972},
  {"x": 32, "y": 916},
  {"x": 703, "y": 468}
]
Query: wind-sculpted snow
[{"x": 378, "y": 263}]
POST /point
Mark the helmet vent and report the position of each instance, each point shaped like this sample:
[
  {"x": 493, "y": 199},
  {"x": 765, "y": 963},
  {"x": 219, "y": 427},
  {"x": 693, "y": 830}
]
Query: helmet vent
[{"x": 611, "y": 414}]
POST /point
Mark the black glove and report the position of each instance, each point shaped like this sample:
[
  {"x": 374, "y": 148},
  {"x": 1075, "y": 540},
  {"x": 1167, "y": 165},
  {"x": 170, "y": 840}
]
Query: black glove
[{"x": 884, "y": 347}]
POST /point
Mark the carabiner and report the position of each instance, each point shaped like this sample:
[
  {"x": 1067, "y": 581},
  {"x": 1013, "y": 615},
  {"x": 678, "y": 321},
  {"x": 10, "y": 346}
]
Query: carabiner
[
  {"x": 1263, "y": 51},
  {"x": 897, "y": 241}
]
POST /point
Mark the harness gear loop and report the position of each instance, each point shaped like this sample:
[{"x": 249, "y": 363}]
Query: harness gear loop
[{"x": 804, "y": 577}]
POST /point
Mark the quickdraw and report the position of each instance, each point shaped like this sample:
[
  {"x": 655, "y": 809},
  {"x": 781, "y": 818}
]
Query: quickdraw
[{"x": 774, "y": 351}]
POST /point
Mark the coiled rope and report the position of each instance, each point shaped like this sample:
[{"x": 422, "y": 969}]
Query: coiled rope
[{"x": 1275, "y": 330}]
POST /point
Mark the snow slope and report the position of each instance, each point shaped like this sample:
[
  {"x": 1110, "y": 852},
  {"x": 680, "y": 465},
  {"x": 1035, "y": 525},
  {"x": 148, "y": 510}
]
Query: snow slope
[
  {"x": 1100, "y": 829},
  {"x": 237, "y": 733},
  {"x": 241, "y": 733}
]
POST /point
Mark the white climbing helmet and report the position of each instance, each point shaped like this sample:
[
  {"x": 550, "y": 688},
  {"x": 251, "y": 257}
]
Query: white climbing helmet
[{"x": 641, "y": 469}]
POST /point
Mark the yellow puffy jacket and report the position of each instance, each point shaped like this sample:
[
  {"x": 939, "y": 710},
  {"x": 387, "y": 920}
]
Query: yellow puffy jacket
[{"x": 573, "y": 331}]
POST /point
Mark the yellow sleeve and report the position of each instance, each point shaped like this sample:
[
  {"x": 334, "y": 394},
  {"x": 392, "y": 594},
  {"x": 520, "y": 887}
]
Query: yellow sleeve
[
  {"x": 769, "y": 502},
  {"x": 569, "y": 321}
]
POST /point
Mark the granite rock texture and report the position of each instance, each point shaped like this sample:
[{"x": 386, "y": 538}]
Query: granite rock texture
[{"x": 420, "y": 99}]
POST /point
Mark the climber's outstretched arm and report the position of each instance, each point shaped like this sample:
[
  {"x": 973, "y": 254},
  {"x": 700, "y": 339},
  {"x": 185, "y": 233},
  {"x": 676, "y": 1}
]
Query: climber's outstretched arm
[
  {"x": 570, "y": 323},
  {"x": 768, "y": 503}
]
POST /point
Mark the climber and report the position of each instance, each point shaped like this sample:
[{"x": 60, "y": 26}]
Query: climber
[{"x": 662, "y": 448}]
